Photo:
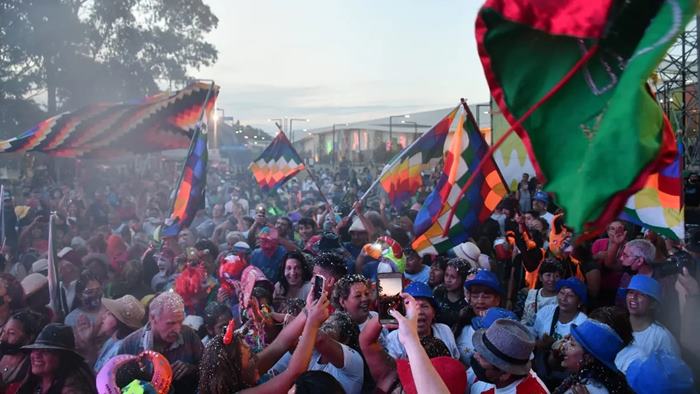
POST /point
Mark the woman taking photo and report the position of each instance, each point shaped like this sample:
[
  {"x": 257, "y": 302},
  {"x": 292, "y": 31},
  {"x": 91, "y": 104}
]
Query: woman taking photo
[
  {"x": 229, "y": 366},
  {"x": 295, "y": 281}
]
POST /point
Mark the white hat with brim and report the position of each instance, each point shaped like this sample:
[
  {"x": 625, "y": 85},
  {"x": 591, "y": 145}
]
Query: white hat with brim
[
  {"x": 33, "y": 282},
  {"x": 468, "y": 251},
  {"x": 40, "y": 265}
]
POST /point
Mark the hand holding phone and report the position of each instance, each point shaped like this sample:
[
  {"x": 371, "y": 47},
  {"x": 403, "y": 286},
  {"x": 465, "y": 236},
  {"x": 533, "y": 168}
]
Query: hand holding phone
[
  {"x": 389, "y": 288},
  {"x": 319, "y": 284}
]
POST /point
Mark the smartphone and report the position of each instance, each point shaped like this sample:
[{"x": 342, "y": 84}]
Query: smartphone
[
  {"x": 389, "y": 288},
  {"x": 319, "y": 283}
]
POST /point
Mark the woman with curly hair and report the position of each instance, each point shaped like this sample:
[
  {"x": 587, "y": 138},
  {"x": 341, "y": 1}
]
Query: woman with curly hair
[
  {"x": 449, "y": 296},
  {"x": 351, "y": 294},
  {"x": 295, "y": 281},
  {"x": 589, "y": 354},
  {"x": 229, "y": 366}
]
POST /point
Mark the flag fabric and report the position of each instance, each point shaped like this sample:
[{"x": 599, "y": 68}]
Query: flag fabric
[
  {"x": 402, "y": 177},
  {"x": 190, "y": 191},
  {"x": 54, "y": 284},
  {"x": 278, "y": 163},
  {"x": 159, "y": 122},
  {"x": 595, "y": 138},
  {"x": 659, "y": 205},
  {"x": 467, "y": 150}
]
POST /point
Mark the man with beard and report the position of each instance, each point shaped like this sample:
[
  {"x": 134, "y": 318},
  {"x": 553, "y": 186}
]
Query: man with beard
[
  {"x": 426, "y": 326},
  {"x": 501, "y": 362},
  {"x": 166, "y": 334}
]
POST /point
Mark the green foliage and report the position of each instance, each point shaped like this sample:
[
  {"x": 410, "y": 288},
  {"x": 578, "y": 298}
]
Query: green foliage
[{"x": 75, "y": 52}]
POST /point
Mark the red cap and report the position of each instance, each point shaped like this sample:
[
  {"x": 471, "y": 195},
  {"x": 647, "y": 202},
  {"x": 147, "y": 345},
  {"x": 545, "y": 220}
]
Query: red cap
[{"x": 451, "y": 371}]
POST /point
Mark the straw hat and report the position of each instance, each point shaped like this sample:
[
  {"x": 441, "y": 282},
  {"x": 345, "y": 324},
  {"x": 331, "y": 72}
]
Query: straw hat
[{"x": 127, "y": 310}]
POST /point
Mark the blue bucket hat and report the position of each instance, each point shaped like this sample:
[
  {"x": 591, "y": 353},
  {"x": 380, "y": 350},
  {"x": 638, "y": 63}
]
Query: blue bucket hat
[
  {"x": 492, "y": 314},
  {"x": 576, "y": 285},
  {"x": 542, "y": 196},
  {"x": 487, "y": 279},
  {"x": 420, "y": 290},
  {"x": 601, "y": 341},
  {"x": 660, "y": 373},
  {"x": 645, "y": 285}
]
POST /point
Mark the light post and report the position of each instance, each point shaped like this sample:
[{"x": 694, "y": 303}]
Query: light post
[
  {"x": 335, "y": 124},
  {"x": 415, "y": 128},
  {"x": 391, "y": 124},
  {"x": 281, "y": 121},
  {"x": 291, "y": 129},
  {"x": 216, "y": 126},
  {"x": 478, "y": 113}
]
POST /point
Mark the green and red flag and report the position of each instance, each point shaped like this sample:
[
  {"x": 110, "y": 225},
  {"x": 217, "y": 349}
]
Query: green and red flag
[{"x": 596, "y": 133}]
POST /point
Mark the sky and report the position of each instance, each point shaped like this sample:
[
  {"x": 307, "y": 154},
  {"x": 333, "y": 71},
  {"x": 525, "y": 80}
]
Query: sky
[{"x": 337, "y": 61}]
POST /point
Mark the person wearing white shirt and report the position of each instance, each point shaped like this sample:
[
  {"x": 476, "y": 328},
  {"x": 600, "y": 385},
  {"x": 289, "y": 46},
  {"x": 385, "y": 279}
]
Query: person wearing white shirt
[
  {"x": 642, "y": 296},
  {"x": 426, "y": 315},
  {"x": 553, "y": 323},
  {"x": 335, "y": 353},
  {"x": 549, "y": 274}
]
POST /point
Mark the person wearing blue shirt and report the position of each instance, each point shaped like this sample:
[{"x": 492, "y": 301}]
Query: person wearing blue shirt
[
  {"x": 415, "y": 271},
  {"x": 268, "y": 257}
]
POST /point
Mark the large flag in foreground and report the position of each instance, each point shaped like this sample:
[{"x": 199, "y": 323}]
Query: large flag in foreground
[
  {"x": 278, "y": 163},
  {"x": 467, "y": 150},
  {"x": 190, "y": 191},
  {"x": 598, "y": 133},
  {"x": 402, "y": 177},
  {"x": 159, "y": 122},
  {"x": 659, "y": 205}
]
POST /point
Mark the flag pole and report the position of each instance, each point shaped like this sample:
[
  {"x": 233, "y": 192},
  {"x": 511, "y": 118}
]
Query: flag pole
[
  {"x": 54, "y": 283},
  {"x": 381, "y": 174},
  {"x": 489, "y": 154},
  {"x": 191, "y": 148},
  {"x": 311, "y": 174},
  {"x": 2, "y": 215}
]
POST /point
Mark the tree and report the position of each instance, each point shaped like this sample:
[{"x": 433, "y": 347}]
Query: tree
[{"x": 81, "y": 51}]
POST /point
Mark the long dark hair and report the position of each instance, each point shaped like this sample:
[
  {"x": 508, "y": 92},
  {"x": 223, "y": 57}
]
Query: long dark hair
[
  {"x": 70, "y": 366},
  {"x": 220, "y": 367},
  {"x": 592, "y": 369},
  {"x": 306, "y": 271}
]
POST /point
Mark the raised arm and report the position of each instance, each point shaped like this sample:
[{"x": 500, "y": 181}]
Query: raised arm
[
  {"x": 381, "y": 366},
  {"x": 424, "y": 374},
  {"x": 301, "y": 357}
]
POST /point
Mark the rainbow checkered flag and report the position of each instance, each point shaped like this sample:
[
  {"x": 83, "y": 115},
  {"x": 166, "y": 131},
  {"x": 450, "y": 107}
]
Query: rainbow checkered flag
[
  {"x": 403, "y": 178},
  {"x": 190, "y": 191},
  {"x": 467, "y": 150},
  {"x": 278, "y": 163},
  {"x": 659, "y": 205}
]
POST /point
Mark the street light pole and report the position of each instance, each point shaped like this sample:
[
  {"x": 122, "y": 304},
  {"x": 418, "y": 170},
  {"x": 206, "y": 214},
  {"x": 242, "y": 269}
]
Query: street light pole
[
  {"x": 415, "y": 128},
  {"x": 333, "y": 158},
  {"x": 216, "y": 126},
  {"x": 291, "y": 129},
  {"x": 391, "y": 124}
]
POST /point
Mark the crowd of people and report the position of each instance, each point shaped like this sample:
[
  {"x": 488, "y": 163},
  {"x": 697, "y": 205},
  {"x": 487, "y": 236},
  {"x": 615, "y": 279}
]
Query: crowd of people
[{"x": 281, "y": 292}]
